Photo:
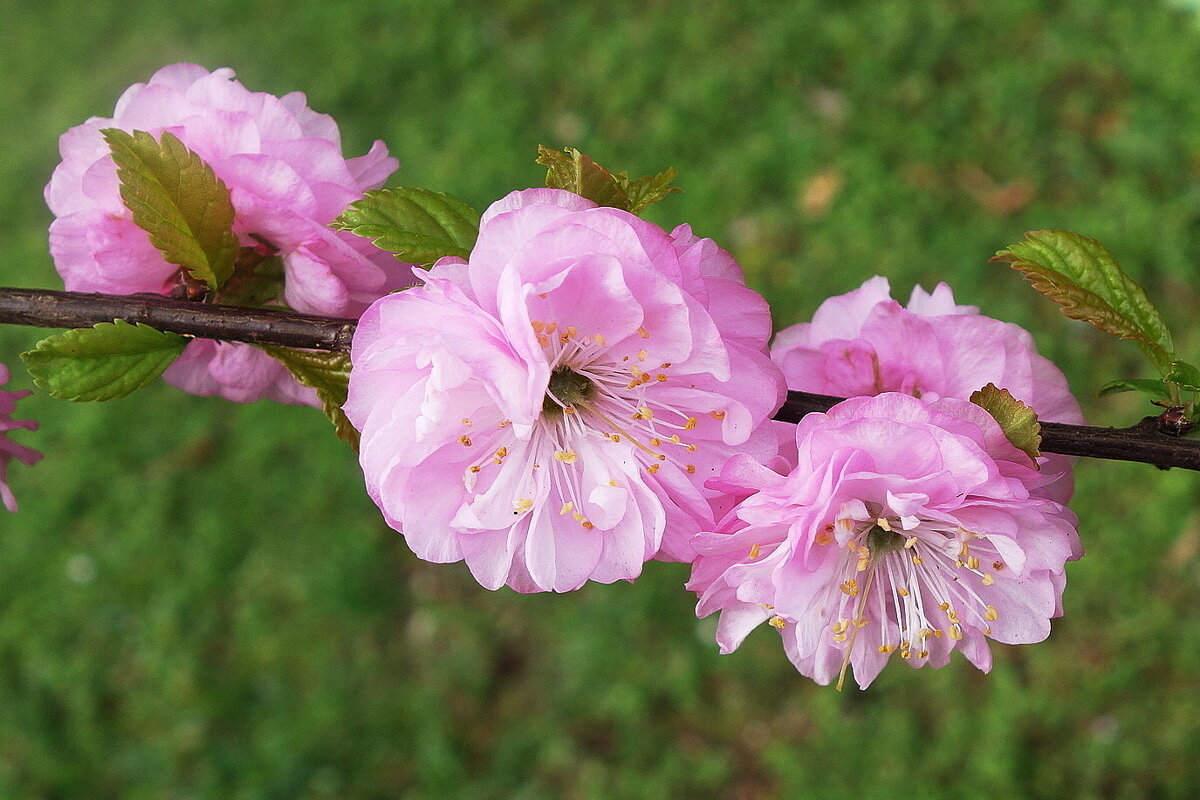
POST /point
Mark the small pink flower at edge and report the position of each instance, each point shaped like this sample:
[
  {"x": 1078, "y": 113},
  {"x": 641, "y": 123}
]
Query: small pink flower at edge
[{"x": 9, "y": 449}]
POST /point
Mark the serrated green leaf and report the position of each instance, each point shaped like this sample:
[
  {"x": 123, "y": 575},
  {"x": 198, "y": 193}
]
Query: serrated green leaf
[
  {"x": 179, "y": 201},
  {"x": 1148, "y": 386},
  {"x": 1017, "y": 420},
  {"x": 104, "y": 362},
  {"x": 418, "y": 226},
  {"x": 575, "y": 172},
  {"x": 1081, "y": 276},
  {"x": 329, "y": 374},
  {"x": 648, "y": 189},
  {"x": 1184, "y": 375}
]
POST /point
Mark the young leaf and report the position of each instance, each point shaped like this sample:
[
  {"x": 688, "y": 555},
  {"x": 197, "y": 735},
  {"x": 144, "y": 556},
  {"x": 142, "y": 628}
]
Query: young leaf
[
  {"x": 1185, "y": 375},
  {"x": 648, "y": 189},
  {"x": 329, "y": 374},
  {"x": 418, "y": 226},
  {"x": 1017, "y": 420},
  {"x": 1081, "y": 276},
  {"x": 1149, "y": 386},
  {"x": 575, "y": 172},
  {"x": 177, "y": 199},
  {"x": 106, "y": 361}
]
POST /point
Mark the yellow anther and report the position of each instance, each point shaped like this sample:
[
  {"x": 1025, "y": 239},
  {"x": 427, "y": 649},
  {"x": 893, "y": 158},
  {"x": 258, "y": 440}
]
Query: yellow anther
[
  {"x": 660, "y": 377},
  {"x": 566, "y": 456},
  {"x": 926, "y": 633},
  {"x": 690, "y": 424},
  {"x": 587, "y": 526},
  {"x": 568, "y": 409},
  {"x": 502, "y": 452},
  {"x": 944, "y": 606},
  {"x": 937, "y": 633},
  {"x": 564, "y": 337},
  {"x": 656, "y": 442},
  {"x": 754, "y": 551},
  {"x": 572, "y": 330},
  {"x": 861, "y": 622},
  {"x": 917, "y": 560},
  {"x": 883, "y": 523},
  {"x": 475, "y": 468},
  {"x": 988, "y": 579},
  {"x": 644, "y": 413},
  {"x": 887, "y": 648},
  {"x": 641, "y": 355},
  {"x": 906, "y": 653},
  {"x": 665, "y": 365},
  {"x": 691, "y": 448},
  {"x": 466, "y": 421},
  {"x": 642, "y": 332},
  {"x": 691, "y": 469},
  {"x": 551, "y": 328},
  {"x": 824, "y": 538},
  {"x": 964, "y": 551},
  {"x": 522, "y": 504},
  {"x": 661, "y": 457},
  {"x": 923, "y": 654},
  {"x": 991, "y": 615},
  {"x": 952, "y": 615},
  {"x": 840, "y": 637},
  {"x": 616, "y": 437},
  {"x": 543, "y": 340},
  {"x": 653, "y": 468},
  {"x": 840, "y": 626},
  {"x": 567, "y": 508},
  {"x": 997, "y": 565},
  {"x": 675, "y": 438},
  {"x": 613, "y": 483},
  {"x": 956, "y": 632},
  {"x": 973, "y": 562},
  {"x": 778, "y": 622},
  {"x": 465, "y": 441},
  {"x": 537, "y": 325},
  {"x": 504, "y": 423},
  {"x": 987, "y": 630},
  {"x": 849, "y": 587},
  {"x": 600, "y": 340},
  {"x": 910, "y": 543},
  {"x": 718, "y": 414},
  {"x": 902, "y": 592}
]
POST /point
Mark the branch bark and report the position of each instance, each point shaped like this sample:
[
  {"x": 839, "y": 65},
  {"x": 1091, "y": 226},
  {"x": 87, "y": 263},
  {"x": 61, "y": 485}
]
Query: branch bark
[{"x": 44, "y": 308}]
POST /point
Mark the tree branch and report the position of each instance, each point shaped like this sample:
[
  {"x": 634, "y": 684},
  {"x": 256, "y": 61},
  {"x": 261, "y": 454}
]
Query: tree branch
[{"x": 43, "y": 308}]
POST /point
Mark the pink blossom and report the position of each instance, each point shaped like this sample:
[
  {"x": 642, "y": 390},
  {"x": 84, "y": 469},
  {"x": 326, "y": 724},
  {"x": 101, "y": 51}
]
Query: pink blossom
[
  {"x": 864, "y": 342},
  {"x": 549, "y": 411},
  {"x": 907, "y": 527},
  {"x": 288, "y": 180},
  {"x": 8, "y": 448}
]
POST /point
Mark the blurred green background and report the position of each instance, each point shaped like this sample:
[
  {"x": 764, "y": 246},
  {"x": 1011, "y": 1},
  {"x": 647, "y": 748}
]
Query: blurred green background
[{"x": 198, "y": 600}]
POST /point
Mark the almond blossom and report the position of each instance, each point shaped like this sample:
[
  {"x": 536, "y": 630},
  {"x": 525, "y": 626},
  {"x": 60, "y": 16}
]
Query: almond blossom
[
  {"x": 549, "y": 410},
  {"x": 907, "y": 528},
  {"x": 9, "y": 449},
  {"x": 288, "y": 180},
  {"x": 864, "y": 342}
]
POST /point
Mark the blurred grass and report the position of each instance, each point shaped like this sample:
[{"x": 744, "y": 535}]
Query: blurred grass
[{"x": 197, "y": 599}]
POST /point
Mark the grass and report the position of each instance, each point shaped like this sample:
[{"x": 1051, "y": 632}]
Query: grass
[{"x": 197, "y": 599}]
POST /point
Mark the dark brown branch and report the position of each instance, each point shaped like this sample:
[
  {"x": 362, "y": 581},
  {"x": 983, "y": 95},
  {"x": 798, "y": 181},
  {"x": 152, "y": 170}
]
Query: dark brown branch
[
  {"x": 48, "y": 309},
  {"x": 43, "y": 308}
]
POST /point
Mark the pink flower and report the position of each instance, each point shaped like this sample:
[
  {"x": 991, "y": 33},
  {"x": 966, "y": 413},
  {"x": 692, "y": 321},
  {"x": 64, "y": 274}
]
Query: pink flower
[
  {"x": 8, "y": 448},
  {"x": 549, "y": 411},
  {"x": 864, "y": 342},
  {"x": 907, "y": 527},
  {"x": 288, "y": 180}
]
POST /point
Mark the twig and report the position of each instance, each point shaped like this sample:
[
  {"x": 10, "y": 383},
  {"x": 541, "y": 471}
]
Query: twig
[{"x": 43, "y": 308}]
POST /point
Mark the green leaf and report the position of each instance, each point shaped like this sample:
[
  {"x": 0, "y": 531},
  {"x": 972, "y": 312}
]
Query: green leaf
[
  {"x": 1184, "y": 375},
  {"x": 329, "y": 374},
  {"x": 648, "y": 189},
  {"x": 418, "y": 226},
  {"x": 176, "y": 198},
  {"x": 1017, "y": 420},
  {"x": 575, "y": 172},
  {"x": 1081, "y": 276},
  {"x": 106, "y": 361},
  {"x": 1149, "y": 386}
]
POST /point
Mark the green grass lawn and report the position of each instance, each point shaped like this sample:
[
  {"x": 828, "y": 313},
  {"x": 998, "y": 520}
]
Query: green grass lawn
[{"x": 197, "y": 599}]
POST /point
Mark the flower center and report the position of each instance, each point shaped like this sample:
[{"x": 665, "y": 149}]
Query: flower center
[{"x": 566, "y": 388}]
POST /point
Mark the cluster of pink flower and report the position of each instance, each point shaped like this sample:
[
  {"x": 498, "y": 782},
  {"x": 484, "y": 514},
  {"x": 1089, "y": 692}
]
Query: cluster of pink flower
[{"x": 587, "y": 392}]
